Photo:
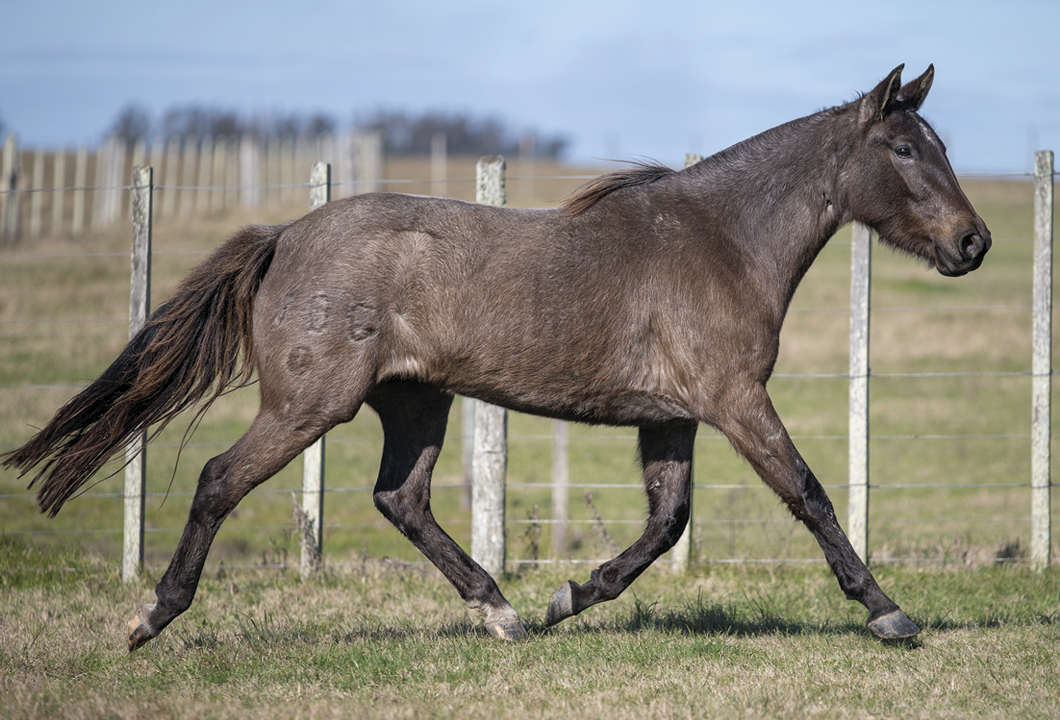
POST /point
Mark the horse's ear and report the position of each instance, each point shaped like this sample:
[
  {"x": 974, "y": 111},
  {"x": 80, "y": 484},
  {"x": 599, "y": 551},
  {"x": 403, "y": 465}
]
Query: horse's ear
[
  {"x": 914, "y": 93},
  {"x": 874, "y": 105}
]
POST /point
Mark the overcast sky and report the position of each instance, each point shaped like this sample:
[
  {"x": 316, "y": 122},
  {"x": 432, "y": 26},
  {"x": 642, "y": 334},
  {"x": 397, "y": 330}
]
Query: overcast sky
[{"x": 618, "y": 78}]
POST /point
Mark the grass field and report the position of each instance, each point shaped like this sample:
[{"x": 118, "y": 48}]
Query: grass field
[
  {"x": 394, "y": 642},
  {"x": 381, "y": 635}
]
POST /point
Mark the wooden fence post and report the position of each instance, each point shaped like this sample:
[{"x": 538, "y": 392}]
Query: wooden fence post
[
  {"x": 1042, "y": 365},
  {"x": 467, "y": 448},
  {"x": 59, "y": 193},
  {"x": 202, "y": 199},
  {"x": 313, "y": 456},
  {"x": 858, "y": 448},
  {"x": 681, "y": 554},
  {"x": 490, "y": 461},
  {"x": 37, "y": 200},
  {"x": 170, "y": 179},
  {"x": 439, "y": 163},
  {"x": 106, "y": 196},
  {"x": 250, "y": 173},
  {"x": 9, "y": 212},
  {"x": 219, "y": 165},
  {"x": 139, "y": 306},
  {"x": 77, "y": 225},
  {"x": 186, "y": 204},
  {"x": 560, "y": 485}
]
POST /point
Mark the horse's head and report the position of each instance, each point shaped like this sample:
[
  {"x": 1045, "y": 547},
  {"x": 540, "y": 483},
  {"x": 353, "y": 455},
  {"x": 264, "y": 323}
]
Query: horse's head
[{"x": 901, "y": 184}]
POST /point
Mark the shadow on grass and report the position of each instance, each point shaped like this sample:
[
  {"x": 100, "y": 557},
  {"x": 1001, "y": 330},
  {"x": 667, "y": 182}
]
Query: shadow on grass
[
  {"x": 746, "y": 614},
  {"x": 756, "y": 617}
]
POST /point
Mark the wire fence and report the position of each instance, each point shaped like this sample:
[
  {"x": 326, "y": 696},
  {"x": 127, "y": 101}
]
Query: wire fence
[{"x": 978, "y": 511}]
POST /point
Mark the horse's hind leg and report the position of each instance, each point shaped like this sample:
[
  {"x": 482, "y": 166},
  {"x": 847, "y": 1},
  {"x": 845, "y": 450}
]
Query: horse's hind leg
[
  {"x": 666, "y": 456},
  {"x": 269, "y": 444},
  {"x": 414, "y": 418},
  {"x": 758, "y": 434}
]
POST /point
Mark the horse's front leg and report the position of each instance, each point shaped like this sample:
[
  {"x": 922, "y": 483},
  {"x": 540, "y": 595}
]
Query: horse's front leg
[
  {"x": 666, "y": 456},
  {"x": 753, "y": 427}
]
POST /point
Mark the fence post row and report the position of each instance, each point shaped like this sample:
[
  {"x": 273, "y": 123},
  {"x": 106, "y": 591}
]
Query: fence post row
[
  {"x": 313, "y": 456},
  {"x": 139, "y": 307},
  {"x": 489, "y": 463}
]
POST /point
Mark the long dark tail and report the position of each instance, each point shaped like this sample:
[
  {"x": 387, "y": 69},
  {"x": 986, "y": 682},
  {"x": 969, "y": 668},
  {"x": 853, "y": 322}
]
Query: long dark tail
[{"x": 197, "y": 345}]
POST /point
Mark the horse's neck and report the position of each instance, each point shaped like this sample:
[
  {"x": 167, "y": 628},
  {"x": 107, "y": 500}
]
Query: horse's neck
[{"x": 783, "y": 197}]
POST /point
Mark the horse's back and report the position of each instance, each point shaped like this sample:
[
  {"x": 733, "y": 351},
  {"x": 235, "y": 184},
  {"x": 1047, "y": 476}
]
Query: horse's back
[{"x": 511, "y": 305}]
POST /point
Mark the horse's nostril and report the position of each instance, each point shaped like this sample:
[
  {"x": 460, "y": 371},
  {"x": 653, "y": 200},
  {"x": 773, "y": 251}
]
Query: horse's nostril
[{"x": 971, "y": 246}]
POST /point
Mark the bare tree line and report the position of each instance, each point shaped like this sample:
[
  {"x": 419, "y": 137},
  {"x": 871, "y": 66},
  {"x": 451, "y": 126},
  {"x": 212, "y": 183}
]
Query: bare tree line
[{"x": 403, "y": 133}]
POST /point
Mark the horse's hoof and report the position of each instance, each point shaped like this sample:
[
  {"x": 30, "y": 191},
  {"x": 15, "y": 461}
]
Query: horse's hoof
[
  {"x": 893, "y": 626},
  {"x": 507, "y": 629},
  {"x": 561, "y": 605},
  {"x": 140, "y": 630}
]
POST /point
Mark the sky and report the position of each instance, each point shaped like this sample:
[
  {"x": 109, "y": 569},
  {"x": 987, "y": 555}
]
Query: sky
[{"x": 619, "y": 79}]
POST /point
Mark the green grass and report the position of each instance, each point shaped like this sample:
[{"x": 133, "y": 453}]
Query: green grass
[{"x": 381, "y": 641}]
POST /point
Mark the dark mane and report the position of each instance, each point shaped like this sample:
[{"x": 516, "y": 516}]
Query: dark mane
[{"x": 641, "y": 173}]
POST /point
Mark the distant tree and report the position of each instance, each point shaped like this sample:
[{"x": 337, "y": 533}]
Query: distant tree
[
  {"x": 225, "y": 123},
  {"x": 179, "y": 123},
  {"x": 195, "y": 121},
  {"x": 319, "y": 125},
  {"x": 286, "y": 126},
  {"x": 405, "y": 134},
  {"x": 132, "y": 125}
]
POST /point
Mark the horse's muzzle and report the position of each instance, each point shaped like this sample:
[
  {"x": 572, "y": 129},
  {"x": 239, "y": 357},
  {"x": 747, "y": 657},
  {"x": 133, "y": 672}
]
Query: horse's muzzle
[{"x": 966, "y": 256}]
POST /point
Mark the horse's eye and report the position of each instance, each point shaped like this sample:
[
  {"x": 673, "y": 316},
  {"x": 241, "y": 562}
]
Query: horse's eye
[{"x": 903, "y": 151}]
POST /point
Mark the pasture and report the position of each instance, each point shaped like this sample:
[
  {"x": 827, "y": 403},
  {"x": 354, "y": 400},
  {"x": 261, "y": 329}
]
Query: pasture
[
  {"x": 394, "y": 642},
  {"x": 378, "y": 634}
]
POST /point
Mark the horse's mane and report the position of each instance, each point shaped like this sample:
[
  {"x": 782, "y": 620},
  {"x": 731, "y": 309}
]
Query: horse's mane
[{"x": 641, "y": 173}]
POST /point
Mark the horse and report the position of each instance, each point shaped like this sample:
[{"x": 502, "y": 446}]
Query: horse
[{"x": 651, "y": 298}]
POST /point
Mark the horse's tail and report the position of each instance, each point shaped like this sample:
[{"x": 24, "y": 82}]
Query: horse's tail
[{"x": 198, "y": 344}]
